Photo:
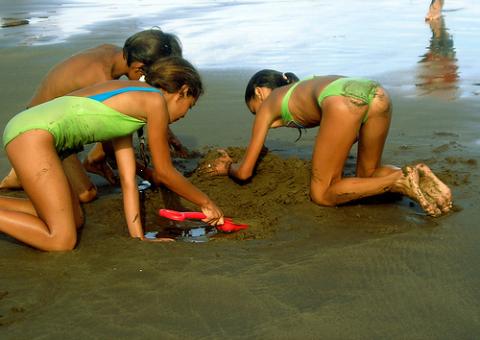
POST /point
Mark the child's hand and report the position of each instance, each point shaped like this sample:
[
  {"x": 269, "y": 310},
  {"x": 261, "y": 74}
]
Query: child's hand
[
  {"x": 213, "y": 213},
  {"x": 219, "y": 167}
]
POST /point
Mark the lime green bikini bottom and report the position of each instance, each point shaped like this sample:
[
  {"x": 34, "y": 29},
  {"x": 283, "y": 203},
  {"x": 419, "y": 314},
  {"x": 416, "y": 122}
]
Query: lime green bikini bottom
[{"x": 357, "y": 88}]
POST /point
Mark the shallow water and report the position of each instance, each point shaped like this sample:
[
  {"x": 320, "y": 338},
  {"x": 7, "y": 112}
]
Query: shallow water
[{"x": 357, "y": 38}]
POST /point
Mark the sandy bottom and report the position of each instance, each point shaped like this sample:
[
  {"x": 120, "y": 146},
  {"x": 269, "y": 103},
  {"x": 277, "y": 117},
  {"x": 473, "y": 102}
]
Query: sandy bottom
[{"x": 378, "y": 268}]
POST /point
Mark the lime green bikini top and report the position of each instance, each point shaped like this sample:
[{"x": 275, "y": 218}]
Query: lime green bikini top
[{"x": 285, "y": 112}]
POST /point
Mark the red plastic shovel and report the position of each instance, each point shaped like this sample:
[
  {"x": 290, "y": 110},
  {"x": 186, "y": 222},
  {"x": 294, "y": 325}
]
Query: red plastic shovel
[{"x": 227, "y": 227}]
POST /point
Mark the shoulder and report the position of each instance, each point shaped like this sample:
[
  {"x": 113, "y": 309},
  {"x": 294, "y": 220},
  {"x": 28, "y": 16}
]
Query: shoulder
[
  {"x": 105, "y": 47},
  {"x": 271, "y": 106},
  {"x": 155, "y": 108},
  {"x": 100, "y": 51},
  {"x": 93, "y": 58},
  {"x": 83, "y": 69},
  {"x": 154, "y": 101}
]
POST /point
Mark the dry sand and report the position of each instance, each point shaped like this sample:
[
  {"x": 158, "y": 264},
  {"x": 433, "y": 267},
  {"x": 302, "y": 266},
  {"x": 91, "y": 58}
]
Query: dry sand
[{"x": 378, "y": 268}]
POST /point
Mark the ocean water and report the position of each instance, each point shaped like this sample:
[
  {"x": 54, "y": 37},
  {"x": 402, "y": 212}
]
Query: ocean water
[{"x": 358, "y": 38}]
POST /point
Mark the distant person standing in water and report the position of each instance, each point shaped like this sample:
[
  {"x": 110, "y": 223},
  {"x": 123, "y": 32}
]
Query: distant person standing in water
[
  {"x": 94, "y": 66},
  {"x": 438, "y": 69},
  {"x": 435, "y": 10}
]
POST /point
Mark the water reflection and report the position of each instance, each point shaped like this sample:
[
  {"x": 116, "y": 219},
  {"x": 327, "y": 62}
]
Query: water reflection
[
  {"x": 438, "y": 70},
  {"x": 435, "y": 10}
]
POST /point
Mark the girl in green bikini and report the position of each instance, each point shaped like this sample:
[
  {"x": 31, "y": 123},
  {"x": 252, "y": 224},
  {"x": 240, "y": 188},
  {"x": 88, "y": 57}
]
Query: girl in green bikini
[
  {"x": 347, "y": 110},
  {"x": 37, "y": 139}
]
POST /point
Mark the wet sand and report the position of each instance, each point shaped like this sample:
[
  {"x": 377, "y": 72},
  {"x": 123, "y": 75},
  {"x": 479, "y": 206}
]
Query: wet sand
[{"x": 378, "y": 268}]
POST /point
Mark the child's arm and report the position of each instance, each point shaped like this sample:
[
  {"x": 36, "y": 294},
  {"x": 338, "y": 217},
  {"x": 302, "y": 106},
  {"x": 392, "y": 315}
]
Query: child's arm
[
  {"x": 125, "y": 157},
  {"x": 165, "y": 172},
  {"x": 261, "y": 125}
]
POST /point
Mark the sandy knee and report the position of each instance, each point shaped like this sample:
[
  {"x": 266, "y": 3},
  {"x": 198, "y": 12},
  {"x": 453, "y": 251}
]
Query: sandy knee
[{"x": 319, "y": 197}]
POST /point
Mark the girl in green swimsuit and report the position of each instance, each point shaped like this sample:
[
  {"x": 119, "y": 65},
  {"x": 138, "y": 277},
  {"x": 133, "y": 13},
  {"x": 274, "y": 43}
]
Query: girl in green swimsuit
[
  {"x": 346, "y": 110},
  {"x": 36, "y": 139}
]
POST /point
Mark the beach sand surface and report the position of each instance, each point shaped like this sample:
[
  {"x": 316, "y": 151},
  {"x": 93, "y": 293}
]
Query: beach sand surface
[{"x": 378, "y": 268}]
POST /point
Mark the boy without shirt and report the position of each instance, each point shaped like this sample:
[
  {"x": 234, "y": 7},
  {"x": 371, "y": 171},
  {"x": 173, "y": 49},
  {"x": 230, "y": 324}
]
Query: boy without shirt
[{"x": 93, "y": 66}]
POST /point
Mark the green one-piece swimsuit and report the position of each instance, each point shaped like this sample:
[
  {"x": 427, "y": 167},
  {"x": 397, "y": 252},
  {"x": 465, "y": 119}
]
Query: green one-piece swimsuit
[{"x": 76, "y": 121}]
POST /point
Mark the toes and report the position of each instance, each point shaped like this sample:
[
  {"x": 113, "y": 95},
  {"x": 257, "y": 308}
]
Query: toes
[
  {"x": 434, "y": 188},
  {"x": 426, "y": 201}
]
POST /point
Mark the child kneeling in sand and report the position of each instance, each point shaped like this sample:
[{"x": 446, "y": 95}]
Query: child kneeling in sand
[
  {"x": 36, "y": 140},
  {"x": 94, "y": 66},
  {"x": 347, "y": 110}
]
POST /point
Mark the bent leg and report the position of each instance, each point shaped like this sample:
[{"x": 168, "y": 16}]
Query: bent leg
[
  {"x": 81, "y": 184},
  {"x": 17, "y": 204},
  {"x": 39, "y": 168},
  {"x": 96, "y": 162},
  {"x": 424, "y": 186},
  {"x": 372, "y": 136},
  {"x": 341, "y": 119}
]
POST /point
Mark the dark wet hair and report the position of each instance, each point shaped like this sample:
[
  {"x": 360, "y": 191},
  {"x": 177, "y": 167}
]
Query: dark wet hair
[
  {"x": 149, "y": 45},
  {"x": 268, "y": 78},
  {"x": 171, "y": 73}
]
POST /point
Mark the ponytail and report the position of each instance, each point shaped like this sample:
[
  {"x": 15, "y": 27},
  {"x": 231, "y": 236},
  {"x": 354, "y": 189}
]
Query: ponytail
[{"x": 270, "y": 79}]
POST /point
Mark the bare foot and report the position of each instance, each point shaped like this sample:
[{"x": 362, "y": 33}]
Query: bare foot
[
  {"x": 11, "y": 181},
  {"x": 409, "y": 185},
  {"x": 101, "y": 168},
  {"x": 434, "y": 188},
  {"x": 435, "y": 10}
]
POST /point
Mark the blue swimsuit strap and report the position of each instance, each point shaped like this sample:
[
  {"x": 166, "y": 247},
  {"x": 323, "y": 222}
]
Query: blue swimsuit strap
[{"x": 105, "y": 95}]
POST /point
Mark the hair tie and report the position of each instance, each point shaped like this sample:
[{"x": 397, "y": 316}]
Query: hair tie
[{"x": 284, "y": 76}]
